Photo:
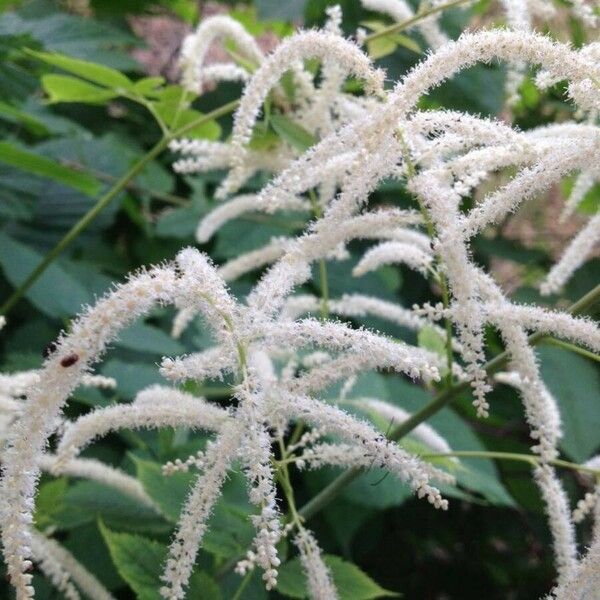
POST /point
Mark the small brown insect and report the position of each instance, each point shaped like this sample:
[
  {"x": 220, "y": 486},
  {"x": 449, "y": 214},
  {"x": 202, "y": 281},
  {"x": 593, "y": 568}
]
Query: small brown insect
[{"x": 69, "y": 360}]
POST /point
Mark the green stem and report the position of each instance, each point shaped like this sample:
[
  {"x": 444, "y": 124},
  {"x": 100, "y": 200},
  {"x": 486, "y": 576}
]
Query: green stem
[
  {"x": 440, "y": 276},
  {"x": 528, "y": 458},
  {"x": 324, "y": 284},
  {"x": 324, "y": 289},
  {"x": 243, "y": 584},
  {"x": 396, "y": 27},
  {"x": 297, "y": 433},
  {"x": 213, "y": 391},
  {"x": 551, "y": 341},
  {"x": 286, "y": 486},
  {"x": 448, "y": 324},
  {"x": 326, "y": 495},
  {"x": 134, "y": 187},
  {"x": 106, "y": 199}
]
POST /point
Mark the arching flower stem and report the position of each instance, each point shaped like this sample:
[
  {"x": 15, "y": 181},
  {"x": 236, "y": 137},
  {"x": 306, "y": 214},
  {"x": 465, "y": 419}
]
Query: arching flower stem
[
  {"x": 528, "y": 458},
  {"x": 551, "y": 341}
]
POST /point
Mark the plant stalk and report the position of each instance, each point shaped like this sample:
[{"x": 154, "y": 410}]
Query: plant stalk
[
  {"x": 527, "y": 458},
  {"x": 419, "y": 16},
  {"x": 326, "y": 495}
]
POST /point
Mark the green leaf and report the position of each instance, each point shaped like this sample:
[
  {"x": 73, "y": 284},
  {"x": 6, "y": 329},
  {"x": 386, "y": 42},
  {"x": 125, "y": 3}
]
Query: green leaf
[
  {"x": 138, "y": 560},
  {"x": 45, "y": 167},
  {"x": 64, "y": 88},
  {"x": 475, "y": 90},
  {"x": 292, "y": 133},
  {"x": 49, "y": 502},
  {"x": 15, "y": 115},
  {"x": 148, "y": 85},
  {"x": 56, "y": 293},
  {"x": 169, "y": 492},
  {"x": 407, "y": 42},
  {"x": 174, "y": 116},
  {"x": 351, "y": 582},
  {"x": 186, "y": 10},
  {"x": 431, "y": 340},
  {"x": 94, "y": 72},
  {"x": 341, "y": 281},
  {"x": 183, "y": 222},
  {"x": 263, "y": 137},
  {"x": 230, "y": 532},
  {"x": 73, "y": 36},
  {"x": 147, "y": 338},
  {"x": 256, "y": 25},
  {"x": 283, "y": 11},
  {"x": 88, "y": 545},
  {"x": 232, "y": 49},
  {"x": 575, "y": 383},
  {"x": 380, "y": 47},
  {"x": 87, "y": 501},
  {"x": 203, "y": 587},
  {"x": 132, "y": 377}
]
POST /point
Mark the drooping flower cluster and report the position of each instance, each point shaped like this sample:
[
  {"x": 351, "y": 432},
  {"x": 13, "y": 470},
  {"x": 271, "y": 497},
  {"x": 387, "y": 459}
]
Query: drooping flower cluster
[{"x": 283, "y": 361}]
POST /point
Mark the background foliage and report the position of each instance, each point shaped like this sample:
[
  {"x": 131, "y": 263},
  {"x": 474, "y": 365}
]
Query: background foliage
[{"x": 69, "y": 135}]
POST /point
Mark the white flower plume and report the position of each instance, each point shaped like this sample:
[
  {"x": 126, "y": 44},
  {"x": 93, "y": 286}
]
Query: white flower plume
[{"x": 277, "y": 360}]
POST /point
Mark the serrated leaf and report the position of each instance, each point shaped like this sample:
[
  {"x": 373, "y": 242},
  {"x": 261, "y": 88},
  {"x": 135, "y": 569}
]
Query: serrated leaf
[
  {"x": 45, "y": 167},
  {"x": 94, "y": 72},
  {"x": 87, "y": 501},
  {"x": 64, "y": 88},
  {"x": 229, "y": 532},
  {"x": 87, "y": 544},
  {"x": 140, "y": 561},
  {"x": 292, "y": 133},
  {"x": 351, "y": 582}
]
